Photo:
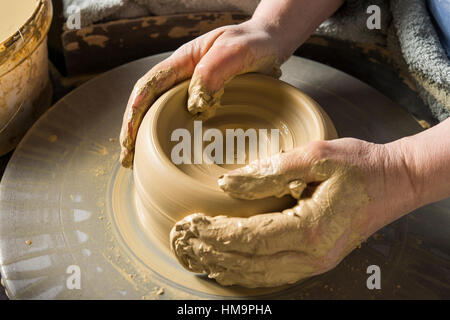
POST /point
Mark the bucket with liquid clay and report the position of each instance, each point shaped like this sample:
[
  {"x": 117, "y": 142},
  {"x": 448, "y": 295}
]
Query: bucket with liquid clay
[{"x": 25, "y": 89}]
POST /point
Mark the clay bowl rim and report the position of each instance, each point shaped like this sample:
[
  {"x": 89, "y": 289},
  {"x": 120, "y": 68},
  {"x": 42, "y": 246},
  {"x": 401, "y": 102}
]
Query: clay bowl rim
[{"x": 326, "y": 129}]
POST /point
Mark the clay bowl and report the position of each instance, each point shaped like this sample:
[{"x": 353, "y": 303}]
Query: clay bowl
[{"x": 166, "y": 193}]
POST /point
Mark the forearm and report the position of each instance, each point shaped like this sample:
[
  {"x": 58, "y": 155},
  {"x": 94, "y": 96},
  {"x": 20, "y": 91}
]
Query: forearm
[
  {"x": 293, "y": 21},
  {"x": 425, "y": 162}
]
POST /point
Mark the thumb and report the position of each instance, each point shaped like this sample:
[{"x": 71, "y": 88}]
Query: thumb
[
  {"x": 175, "y": 69},
  {"x": 278, "y": 175},
  {"x": 219, "y": 65},
  {"x": 227, "y": 58}
]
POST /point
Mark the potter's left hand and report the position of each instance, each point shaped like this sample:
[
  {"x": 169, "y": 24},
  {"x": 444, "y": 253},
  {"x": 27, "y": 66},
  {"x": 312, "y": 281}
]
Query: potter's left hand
[
  {"x": 260, "y": 44},
  {"x": 353, "y": 189},
  {"x": 211, "y": 60}
]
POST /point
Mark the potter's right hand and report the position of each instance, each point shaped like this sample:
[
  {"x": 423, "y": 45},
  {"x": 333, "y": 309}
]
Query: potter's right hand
[
  {"x": 211, "y": 60},
  {"x": 347, "y": 189}
]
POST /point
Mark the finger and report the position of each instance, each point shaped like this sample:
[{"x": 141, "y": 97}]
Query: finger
[
  {"x": 261, "y": 271},
  {"x": 220, "y": 64},
  {"x": 158, "y": 80},
  {"x": 178, "y": 67},
  {"x": 264, "y": 234},
  {"x": 233, "y": 268},
  {"x": 217, "y": 66},
  {"x": 236, "y": 266},
  {"x": 260, "y": 234},
  {"x": 278, "y": 175},
  {"x": 313, "y": 226},
  {"x": 317, "y": 233}
]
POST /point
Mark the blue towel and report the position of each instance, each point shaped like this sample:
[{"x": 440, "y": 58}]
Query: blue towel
[{"x": 440, "y": 9}]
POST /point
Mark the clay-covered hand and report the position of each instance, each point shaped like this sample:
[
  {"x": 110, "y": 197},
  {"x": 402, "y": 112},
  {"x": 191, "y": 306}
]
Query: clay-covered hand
[
  {"x": 211, "y": 60},
  {"x": 347, "y": 189}
]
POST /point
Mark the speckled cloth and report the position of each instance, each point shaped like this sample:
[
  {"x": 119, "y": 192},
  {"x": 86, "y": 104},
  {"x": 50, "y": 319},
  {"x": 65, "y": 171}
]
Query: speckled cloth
[
  {"x": 423, "y": 54},
  {"x": 407, "y": 30},
  {"x": 99, "y": 10}
]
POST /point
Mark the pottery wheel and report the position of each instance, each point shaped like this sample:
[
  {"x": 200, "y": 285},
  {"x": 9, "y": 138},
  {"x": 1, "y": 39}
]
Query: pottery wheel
[{"x": 57, "y": 209}]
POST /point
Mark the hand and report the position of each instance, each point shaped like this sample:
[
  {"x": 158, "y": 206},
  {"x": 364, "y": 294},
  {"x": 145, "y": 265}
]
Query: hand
[
  {"x": 211, "y": 60},
  {"x": 261, "y": 44},
  {"x": 347, "y": 189}
]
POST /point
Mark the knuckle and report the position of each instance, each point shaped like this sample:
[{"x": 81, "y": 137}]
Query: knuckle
[
  {"x": 233, "y": 43},
  {"x": 318, "y": 150}
]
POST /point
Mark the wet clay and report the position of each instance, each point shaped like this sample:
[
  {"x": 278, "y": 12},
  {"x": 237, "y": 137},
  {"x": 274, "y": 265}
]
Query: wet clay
[
  {"x": 277, "y": 248},
  {"x": 45, "y": 201},
  {"x": 166, "y": 193},
  {"x": 203, "y": 103},
  {"x": 147, "y": 92},
  {"x": 13, "y": 15}
]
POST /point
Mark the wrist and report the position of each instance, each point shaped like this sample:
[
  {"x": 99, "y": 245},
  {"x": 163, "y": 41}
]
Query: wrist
[
  {"x": 291, "y": 22},
  {"x": 274, "y": 33},
  {"x": 422, "y": 164},
  {"x": 404, "y": 182}
]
